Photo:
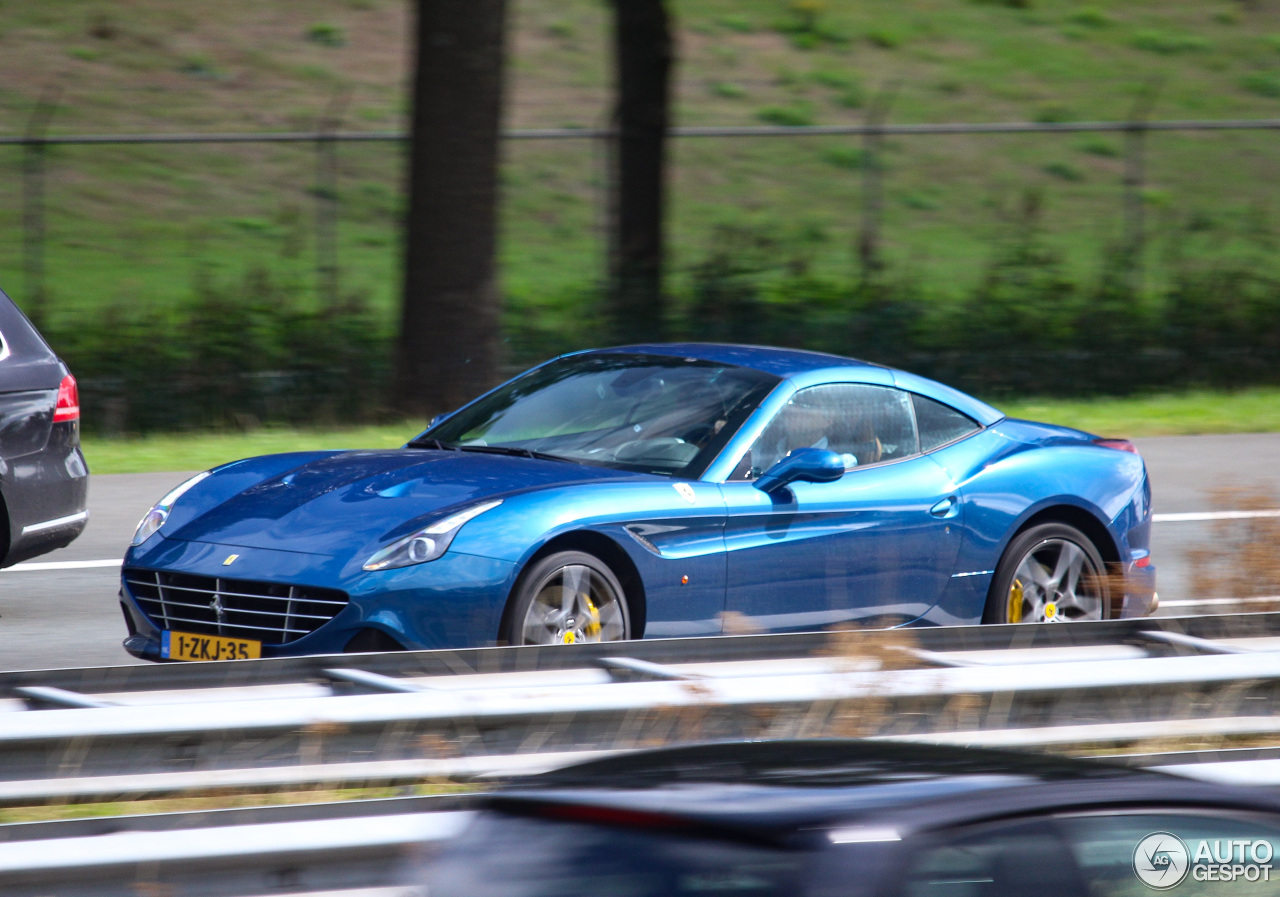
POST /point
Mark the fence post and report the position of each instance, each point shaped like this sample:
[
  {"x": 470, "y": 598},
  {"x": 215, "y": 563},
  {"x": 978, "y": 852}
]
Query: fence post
[
  {"x": 326, "y": 193},
  {"x": 1135, "y": 236},
  {"x": 607, "y": 147},
  {"x": 873, "y": 182},
  {"x": 33, "y": 230}
]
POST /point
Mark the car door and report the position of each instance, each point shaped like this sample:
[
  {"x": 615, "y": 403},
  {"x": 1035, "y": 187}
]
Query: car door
[{"x": 878, "y": 542}]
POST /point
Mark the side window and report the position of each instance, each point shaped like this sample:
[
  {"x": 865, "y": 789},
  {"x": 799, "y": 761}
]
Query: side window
[
  {"x": 939, "y": 424},
  {"x": 1188, "y": 854},
  {"x": 1023, "y": 859},
  {"x": 865, "y": 424}
]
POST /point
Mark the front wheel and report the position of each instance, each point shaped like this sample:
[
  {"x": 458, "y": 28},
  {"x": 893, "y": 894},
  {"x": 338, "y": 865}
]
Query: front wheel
[
  {"x": 1051, "y": 573},
  {"x": 567, "y": 598}
]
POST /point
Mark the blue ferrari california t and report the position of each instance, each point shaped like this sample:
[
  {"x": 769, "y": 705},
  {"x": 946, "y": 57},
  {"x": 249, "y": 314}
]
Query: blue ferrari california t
[{"x": 648, "y": 492}]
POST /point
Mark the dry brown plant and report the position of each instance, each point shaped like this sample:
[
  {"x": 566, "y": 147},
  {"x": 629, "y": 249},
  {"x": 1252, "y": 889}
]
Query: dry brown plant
[
  {"x": 1243, "y": 557},
  {"x": 734, "y": 623},
  {"x": 879, "y": 649}
]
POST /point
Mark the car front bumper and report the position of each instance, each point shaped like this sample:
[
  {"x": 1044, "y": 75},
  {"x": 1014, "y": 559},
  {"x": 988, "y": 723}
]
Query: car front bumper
[{"x": 455, "y": 601}]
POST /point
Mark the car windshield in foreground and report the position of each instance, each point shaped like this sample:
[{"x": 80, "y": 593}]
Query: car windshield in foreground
[
  {"x": 509, "y": 856},
  {"x": 647, "y": 413}
]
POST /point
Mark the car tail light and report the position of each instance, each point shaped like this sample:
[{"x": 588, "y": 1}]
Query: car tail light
[
  {"x": 68, "y": 407},
  {"x": 594, "y": 815},
  {"x": 1122, "y": 445},
  {"x": 1144, "y": 561}
]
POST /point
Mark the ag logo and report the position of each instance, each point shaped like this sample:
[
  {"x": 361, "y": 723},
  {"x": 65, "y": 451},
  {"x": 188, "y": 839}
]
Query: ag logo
[{"x": 1161, "y": 861}]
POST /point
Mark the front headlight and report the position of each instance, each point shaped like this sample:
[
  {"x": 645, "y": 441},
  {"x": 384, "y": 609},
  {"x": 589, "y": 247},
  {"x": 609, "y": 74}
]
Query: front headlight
[
  {"x": 159, "y": 513},
  {"x": 426, "y": 544}
]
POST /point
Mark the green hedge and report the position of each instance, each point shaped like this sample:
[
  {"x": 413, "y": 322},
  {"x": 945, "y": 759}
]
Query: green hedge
[
  {"x": 257, "y": 352},
  {"x": 239, "y": 355}
]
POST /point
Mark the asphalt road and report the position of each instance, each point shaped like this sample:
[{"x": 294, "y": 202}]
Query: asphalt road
[{"x": 53, "y": 618}]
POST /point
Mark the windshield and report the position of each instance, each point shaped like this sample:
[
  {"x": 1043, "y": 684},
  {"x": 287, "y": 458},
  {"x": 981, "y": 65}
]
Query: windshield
[
  {"x": 514, "y": 857},
  {"x": 647, "y": 413}
]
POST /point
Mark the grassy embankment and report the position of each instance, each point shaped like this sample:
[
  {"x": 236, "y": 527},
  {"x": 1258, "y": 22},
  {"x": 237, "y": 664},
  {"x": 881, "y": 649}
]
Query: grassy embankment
[{"x": 134, "y": 225}]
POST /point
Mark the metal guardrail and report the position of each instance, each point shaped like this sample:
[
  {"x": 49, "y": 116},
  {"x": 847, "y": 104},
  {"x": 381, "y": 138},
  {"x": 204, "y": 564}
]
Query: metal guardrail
[
  {"x": 292, "y": 857},
  {"x": 356, "y": 849},
  {"x": 1117, "y": 635},
  {"x": 1144, "y": 690},
  {"x": 406, "y": 718}
]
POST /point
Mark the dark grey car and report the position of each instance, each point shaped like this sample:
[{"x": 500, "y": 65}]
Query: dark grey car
[
  {"x": 861, "y": 819},
  {"x": 44, "y": 481}
]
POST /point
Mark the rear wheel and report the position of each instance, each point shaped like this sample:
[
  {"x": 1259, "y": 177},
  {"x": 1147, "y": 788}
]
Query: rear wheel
[
  {"x": 567, "y": 598},
  {"x": 1051, "y": 573}
]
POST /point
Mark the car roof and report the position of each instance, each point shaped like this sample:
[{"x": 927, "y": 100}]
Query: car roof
[
  {"x": 781, "y": 787},
  {"x": 795, "y": 363},
  {"x": 780, "y": 362}
]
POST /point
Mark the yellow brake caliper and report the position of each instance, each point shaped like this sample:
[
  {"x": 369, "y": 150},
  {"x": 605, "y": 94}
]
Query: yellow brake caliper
[
  {"x": 592, "y": 628},
  {"x": 1015, "y": 602}
]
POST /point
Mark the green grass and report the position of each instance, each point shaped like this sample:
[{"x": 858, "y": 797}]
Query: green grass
[
  {"x": 1248, "y": 411},
  {"x": 200, "y": 451},
  {"x": 135, "y": 225}
]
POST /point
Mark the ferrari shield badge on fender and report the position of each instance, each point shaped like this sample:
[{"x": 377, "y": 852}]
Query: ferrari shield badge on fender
[
  {"x": 231, "y": 559},
  {"x": 686, "y": 492}
]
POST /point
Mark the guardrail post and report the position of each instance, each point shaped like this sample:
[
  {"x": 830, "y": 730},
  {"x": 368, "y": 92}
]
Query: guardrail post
[
  {"x": 326, "y": 193},
  {"x": 33, "y": 226}
]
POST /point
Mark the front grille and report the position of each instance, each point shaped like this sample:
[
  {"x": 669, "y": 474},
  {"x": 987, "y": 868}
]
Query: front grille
[{"x": 237, "y": 608}]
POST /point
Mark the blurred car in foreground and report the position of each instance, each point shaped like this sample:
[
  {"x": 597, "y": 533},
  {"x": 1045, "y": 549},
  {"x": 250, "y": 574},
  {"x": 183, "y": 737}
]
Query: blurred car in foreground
[
  {"x": 44, "y": 481},
  {"x": 861, "y": 819},
  {"x": 644, "y": 492}
]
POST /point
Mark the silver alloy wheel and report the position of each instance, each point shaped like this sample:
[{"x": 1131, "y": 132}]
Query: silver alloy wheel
[
  {"x": 574, "y": 604},
  {"x": 1056, "y": 581}
]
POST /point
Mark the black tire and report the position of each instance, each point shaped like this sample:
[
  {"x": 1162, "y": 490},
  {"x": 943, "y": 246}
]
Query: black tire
[
  {"x": 598, "y": 611},
  {"x": 1089, "y": 598}
]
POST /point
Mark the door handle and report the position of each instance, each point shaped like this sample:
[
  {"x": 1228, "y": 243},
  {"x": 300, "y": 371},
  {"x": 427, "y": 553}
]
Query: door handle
[{"x": 948, "y": 507}]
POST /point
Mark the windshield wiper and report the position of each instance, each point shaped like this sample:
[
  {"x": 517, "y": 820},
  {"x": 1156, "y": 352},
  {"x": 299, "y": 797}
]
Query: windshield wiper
[
  {"x": 511, "y": 450},
  {"x": 430, "y": 442}
]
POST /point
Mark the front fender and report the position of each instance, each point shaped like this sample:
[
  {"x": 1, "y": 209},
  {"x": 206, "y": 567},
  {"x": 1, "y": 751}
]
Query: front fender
[{"x": 673, "y": 537}]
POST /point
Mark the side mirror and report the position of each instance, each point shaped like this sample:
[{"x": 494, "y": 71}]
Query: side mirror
[
  {"x": 812, "y": 465},
  {"x": 439, "y": 417}
]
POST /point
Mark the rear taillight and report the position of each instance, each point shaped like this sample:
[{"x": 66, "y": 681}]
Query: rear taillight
[
  {"x": 1122, "y": 445},
  {"x": 610, "y": 816},
  {"x": 68, "y": 407}
]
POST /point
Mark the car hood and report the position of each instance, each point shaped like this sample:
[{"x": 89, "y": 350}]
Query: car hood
[{"x": 338, "y": 504}]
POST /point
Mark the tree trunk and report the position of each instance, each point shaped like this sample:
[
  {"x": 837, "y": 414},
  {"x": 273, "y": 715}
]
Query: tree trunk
[
  {"x": 450, "y": 338},
  {"x": 643, "y": 48}
]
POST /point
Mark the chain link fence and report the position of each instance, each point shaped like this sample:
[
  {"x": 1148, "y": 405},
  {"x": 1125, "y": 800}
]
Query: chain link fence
[{"x": 302, "y": 288}]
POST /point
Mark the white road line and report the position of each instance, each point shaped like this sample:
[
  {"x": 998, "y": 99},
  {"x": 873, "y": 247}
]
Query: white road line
[
  {"x": 1220, "y": 601},
  {"x": 1198, "y": 516},
  {"x": 47, "y": 566}
]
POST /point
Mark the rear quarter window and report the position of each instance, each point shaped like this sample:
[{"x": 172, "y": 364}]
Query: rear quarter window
[{"x": 939, "y": 424}]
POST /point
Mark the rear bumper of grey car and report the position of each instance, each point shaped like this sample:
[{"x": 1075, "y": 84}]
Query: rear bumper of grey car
[{"x": 47, "y": 495}]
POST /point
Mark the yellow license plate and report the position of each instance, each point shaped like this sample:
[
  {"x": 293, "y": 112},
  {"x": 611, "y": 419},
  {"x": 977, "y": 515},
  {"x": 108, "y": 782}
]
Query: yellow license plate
[{"x": 189, "y": 646}]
